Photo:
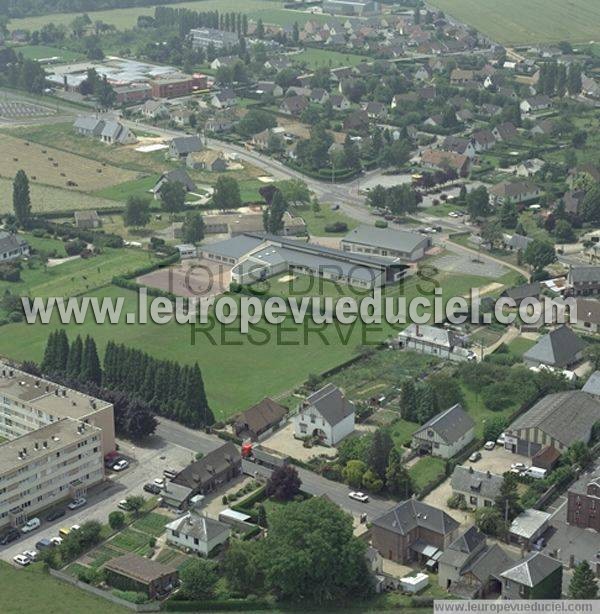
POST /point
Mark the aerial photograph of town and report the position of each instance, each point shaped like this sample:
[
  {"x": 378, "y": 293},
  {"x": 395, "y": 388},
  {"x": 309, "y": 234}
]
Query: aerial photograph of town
[{"x": 299, "y": 306}]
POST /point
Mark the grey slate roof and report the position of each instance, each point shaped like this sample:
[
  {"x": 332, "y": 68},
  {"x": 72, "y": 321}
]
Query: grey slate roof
[
  {"x": 592, "y": 386},
  {"x": 588, "y": 310},
  {"x": 579, "y": 274},
  {"x": 89, "y": 123},
  {"x": 180, "y": 175},
  {"x": 331, "y": 403},
  {"x": 523, "y": 291},
  {"x": 530, "y": 572},
  {"x": 467, "y": 480},
  {"x": 386, "y": 238},
  {"x": 411, "y": 514},
  {"x": 490, "y": 564},
  {"x": 461, "y": 550},
  {"x": 450, "y": 425},
  {"x": 10, "y": 242},
  {"x": 564, "y": 416},
  {"x": 201, "y": 527},
  {"x": 557, "y": 349},
  {"x": 517, "y": 241},
  {"x": 201, "y": 471},
  {"x": 235, "y": 247},
  {"x": 112, "y": 129},
  {"x": 186, "y": 144}
]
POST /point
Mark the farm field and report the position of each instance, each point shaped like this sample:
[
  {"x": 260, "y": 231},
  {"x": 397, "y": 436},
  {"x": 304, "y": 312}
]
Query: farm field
[
  {"x": 34, "y": 590},
  {"x": 270, "y": 11},
  {"x": 54, "y": 167},
  {"x": 321, "y": 58},
  {"x": 46, "y": 198},
  {"x": 536, "y": 21}
]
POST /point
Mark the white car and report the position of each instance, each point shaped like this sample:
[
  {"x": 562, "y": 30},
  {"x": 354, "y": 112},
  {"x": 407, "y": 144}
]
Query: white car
[
  {"x": 123, "y": 505},
  {"x": 160, "y": 482},
  {"x": 501, "y": 439},
  {"x": 474, "y": 457},
  {"x": 22, "y": 560},
  {"x": 489, "y": 445},
  {"x": 453, "y": 214},
  {"x": 358, "y": 496},
  {"x": 57, "y": 541},
  {"x": 31, "y": 555},
  {"x": 120, "y": 465},
  {"x": 519, "y": 466},
  {"x": 31, "y": 525},
  {"x": 75, "y": 527},
  {"x": 77, "y": 503}
]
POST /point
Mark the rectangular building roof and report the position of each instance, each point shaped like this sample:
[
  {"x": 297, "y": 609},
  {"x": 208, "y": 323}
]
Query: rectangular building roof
[{"x": 387, "y": 238}]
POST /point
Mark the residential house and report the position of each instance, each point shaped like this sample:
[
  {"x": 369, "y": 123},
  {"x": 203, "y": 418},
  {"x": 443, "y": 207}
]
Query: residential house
[
  {"x": 181, "y": 146},
  {"x": 326, "y": 414},
  {"x": 515, "y": 242},
  {"x": 560, "y": 348},
  {"x": 269, "y": 88},
  {"x": 260, "y": 420},
  {"x": 375, "y": 110},
  {"x": 558, "y": 420},
  {"x": 458, "y": 145},
  {"x": 584, "y": 280},
  {"x": 219, "y": 123},
  {"x": 357, "y": 121},
  {"x": 573, "y": 200},
  {"x": 537, "y": 577},
  {"x": 423, "y": 73},
  {"x": 208, "y": 160},
  {"x": 535, "y": 104},
  {"x": 483, "y": 140},
  {"x": 196, "y": 532},
  {"x": 211, "y": 471},
  {"x": 440, "y": 342},
  {"x": 413, "y": 531},
  {"x": 132, "y": 572},
  {"x": 12, "y": 246},
  {"x": 87, "y": 220},
  {"x": 446, "y": 434},
  {"x": 294, "y": 105},
  {"x": 224, "y": 62},
  {"x": 223, "y": 99},
  {"x": 155, "y": 109},
  {"x": 181, "y": 116},
  {"x": 588, "y": 315},
  {"x": 339, "y": 102},
  {"x": 490, "y": 110},
  {"x": 261, "y": 140},
  {"x": 446, "y": 160},
  {"x": 479, "y": 488},
  {"x": 115, "y": 133},
  {"x": 583, "y": 498},
  {"x": 318, "y": 95},
  {"x": 89, "y": 125},
  {"x": 460, "y": 76},
  {"x": 464, "y": 116},
  {"x": 545, "y": 127},
  {"x": 505, "y": 132},
  {"x": 590, "y": 170},
  {"x": 177, "y": 175},
  {"x": 523, "y": 291},
  {"x": 529, "y": 168},
  {"x": 517, "y": 192}
]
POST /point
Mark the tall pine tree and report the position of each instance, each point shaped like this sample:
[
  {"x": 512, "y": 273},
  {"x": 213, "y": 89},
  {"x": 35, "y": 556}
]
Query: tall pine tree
[
  {"x": 90, "y": 363},
  {"x": 21, "y": 198},
  {"x": 74, "y": 361}
]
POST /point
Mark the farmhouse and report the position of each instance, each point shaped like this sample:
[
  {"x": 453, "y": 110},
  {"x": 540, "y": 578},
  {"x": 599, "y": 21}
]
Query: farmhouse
[
  {"x": 12, "y": 246},
  {"x": 557, "y": 420},
  {"x": 326, "y": 414},
  {"x": 413, "y": 531},
  {"x": 560, "y": 348},
  {"x": 86, "y": 220},
  {"x": 440, "y": 342},
  {"x": 401, "y": 244},
  {"x": 260, "y": 420},
  {"x": 536, "y": 103},
  {"x": 505, "y": 132},
  {"x": 89, "y": 125},
  {"x": 177, "y": 175},
  {"x": 479, "y": 488},
  {"x": 197, "y": 533},
  {"x": 115, "y": 132},
  {"x": 208, "y": 473},
  {"x": 446, "y": 434},
  {"x": 181, "y": 146},
  {"x": 137, "y": 573}
]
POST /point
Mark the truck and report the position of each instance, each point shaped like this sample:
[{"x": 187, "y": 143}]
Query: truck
[{"x": 536, "y": 472}]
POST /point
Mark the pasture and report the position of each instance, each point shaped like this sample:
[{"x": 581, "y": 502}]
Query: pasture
[
  {"x": 58, "y": 168},
  {"x": 270, "y": 11},
  {"x": 513, "y": 22}
]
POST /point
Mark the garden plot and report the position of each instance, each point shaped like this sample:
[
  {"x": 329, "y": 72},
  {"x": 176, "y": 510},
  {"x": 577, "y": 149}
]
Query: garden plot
[
  {"x": 17, "y": 109},
  {"x": 58, "y": 168}
]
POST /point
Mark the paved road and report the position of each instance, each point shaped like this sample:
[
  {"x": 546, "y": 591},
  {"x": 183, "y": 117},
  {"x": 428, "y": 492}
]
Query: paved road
[{"x": 196, "y": 441}]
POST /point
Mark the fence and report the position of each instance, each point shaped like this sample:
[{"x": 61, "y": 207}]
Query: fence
[{"x": 136, "y": 607}]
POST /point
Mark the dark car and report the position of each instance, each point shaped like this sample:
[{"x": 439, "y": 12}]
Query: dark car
[
  {"x": 55, "y": 515},
  {"x": 152, "y": 489},
  {"x": 10, "y": 536}
]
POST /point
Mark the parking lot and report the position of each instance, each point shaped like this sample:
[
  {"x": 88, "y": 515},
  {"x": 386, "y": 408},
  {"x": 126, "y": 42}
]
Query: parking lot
[{"x": 497, "y": 460}]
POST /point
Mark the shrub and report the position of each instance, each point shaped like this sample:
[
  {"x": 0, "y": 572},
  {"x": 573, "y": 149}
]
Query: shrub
[
  {"x": 75, "y": 247},
  {"x": 381, "y": 224},
  {"x": 10, "y": 271},
  {"x": 337, "y": 227},
  {"x": 116, "y": 520}
]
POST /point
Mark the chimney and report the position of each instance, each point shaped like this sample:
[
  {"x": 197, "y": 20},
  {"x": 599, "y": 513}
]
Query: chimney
[{"x": 488, "y": 473}]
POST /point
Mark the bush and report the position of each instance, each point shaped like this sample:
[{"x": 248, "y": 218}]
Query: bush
[
  {"x": 381, "y": 224},
  {"x": 116, "y": 520},
  {"x": 10, "y": 271},
  {"x": 337, "y": 227},
  {"x": 75, "y": 247}
]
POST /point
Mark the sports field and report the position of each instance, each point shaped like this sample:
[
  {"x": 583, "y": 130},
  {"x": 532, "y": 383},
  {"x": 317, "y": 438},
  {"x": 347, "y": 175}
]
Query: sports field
[
  {"x": 270, "y": 11},
  {"x": 532, "y": 21}
]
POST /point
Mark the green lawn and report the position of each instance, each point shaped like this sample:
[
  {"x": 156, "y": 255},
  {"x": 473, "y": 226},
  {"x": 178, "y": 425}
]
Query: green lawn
[
  {"x": 25, "y": 591},
  {"x": 152, "y": 524},
  {"x": 401, "y": 432},
  {"x": 425, "y": 470},
  {"x": 515, "y": 21},
  {"x": 41, "y": 52},
  {"x": 122, "y": 191},
  {"x": 480, "y": 413},
  {"x": 325, "y": 58},
  {"x": 316, "y": 222},
  {"x": 517, "y": 347}
]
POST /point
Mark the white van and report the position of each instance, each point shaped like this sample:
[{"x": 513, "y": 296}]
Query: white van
[{"x": 536, "y": 472}]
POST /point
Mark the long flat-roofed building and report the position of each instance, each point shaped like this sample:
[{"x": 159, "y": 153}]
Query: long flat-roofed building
[
  {"x": 408, "y": 246},
  {"x": 28, "y": 403},
  {"x": 58, "y": 461}
]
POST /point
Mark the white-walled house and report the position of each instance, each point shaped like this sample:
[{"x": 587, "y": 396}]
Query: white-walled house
[
  {"x": 197, "y": 532},
  {"x": 326, "y": 414},
  {"x": 446, "y": 434}
]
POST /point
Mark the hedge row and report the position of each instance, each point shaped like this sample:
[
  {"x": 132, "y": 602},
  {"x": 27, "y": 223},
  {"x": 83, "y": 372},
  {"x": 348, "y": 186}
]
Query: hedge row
[{"x": 239, "y": 605}]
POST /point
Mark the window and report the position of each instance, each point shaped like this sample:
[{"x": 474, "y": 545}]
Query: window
[{"x": 473, "y": 500}]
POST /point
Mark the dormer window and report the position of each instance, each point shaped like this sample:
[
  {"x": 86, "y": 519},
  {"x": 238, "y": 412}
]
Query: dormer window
[{"x": 429, "y": 433}]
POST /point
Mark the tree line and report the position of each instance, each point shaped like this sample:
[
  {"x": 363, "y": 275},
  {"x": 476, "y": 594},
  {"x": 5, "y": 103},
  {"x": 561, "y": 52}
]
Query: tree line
[{"x": 186, "y": 19}]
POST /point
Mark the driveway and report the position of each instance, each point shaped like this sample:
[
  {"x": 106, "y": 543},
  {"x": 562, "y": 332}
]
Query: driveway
[
  {"x": 284, "y": 443},
  {"x": 497, "y": 460},
  {"x": 439, "y": 497}
]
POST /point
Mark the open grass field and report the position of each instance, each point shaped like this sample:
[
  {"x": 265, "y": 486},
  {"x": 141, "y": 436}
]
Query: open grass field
[
  {"x": 55, "y": 167},
  {"x": 45, "y": 198},
  {"x": 42, "y": 52},
  {"x": 134, "y": 187},
  {"x": 425, "y": 470},
  {"x": 324, "y": 58},
  {"x": 32, "y": 590},
  {"x": 316, "y": 222},
  {"x": 536, "y": 21},
  {"x": 270, "y": 11}
]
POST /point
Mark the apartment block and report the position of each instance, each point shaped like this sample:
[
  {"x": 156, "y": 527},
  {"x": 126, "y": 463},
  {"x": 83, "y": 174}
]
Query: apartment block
[
  {"x": 55, "y": 462},
  {"x": 29, "y": 403}
]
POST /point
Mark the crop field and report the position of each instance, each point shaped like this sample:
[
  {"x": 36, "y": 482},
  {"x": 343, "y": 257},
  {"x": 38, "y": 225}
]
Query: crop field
[
  {"x": 55, "y": 167},
  {"x": 534, "y": 21},
  {"x": 270, "y": 11},
  {"x": 47, "y": 199}
]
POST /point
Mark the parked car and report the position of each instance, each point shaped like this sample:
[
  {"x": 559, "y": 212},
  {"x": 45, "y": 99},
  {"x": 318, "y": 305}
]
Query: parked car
[
  {"x": 31, "y": 555},
  {"x": 170, "y": 473},
  {"x": 120, "y": 465},
  {"x": 10, "y": 536},
  {"x": 501, "y": 439},
  {"x": 519, "y": 466},
  {"x": 56, "y": 541},
  {"x": 475, "y": 457},
  {"x": 64, "y": 531},
  {"x": 123, "y": 505},
  {"x": 22, "y": 560},
  {"x": 31, "y": 525},
  {"x": 489, "y": 445},
  {"x": 160, "y": 482},
  {"x": 45, "y": 543},
  {"x": 152, "y": 488},
  {"x": 539, "y": 544},
  {"x": 536, "y": 472},
  {"x": 75, "y": 527},
  {"x": 77, "y": 503},
  {"x": 359, "y": 496},
  {"x": 55, "y": 515}
]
